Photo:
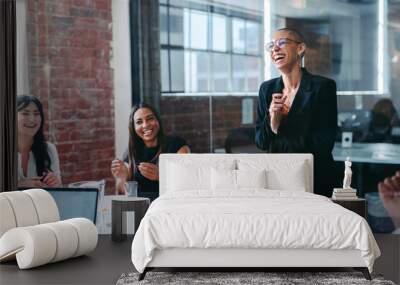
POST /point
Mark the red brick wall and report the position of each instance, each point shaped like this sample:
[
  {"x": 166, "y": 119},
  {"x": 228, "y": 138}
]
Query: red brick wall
[
  {"x": 69, "y": 46},
  {"x": 189, "y": 117}
]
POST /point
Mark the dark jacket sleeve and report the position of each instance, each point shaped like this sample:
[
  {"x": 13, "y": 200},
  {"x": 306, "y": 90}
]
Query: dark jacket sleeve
[
  {"x": 325, "y": 123},
  {"x": 264, "y": 134}
]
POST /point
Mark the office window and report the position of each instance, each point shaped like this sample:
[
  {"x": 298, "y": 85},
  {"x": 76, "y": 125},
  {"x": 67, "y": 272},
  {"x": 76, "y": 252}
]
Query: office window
[
  {"x": 163, "y": 25},
  {"x": 253, "y": 37},
  {"x": 219, "y": 35},
  {"x": 198, "y": 30},
  {"x": 199, "y": 71},
  {"x": 220, "y": 72},
  {"x": 211, "y": 41},
  {"x": 164, "y": 71},
  {"x": 177, "y": 72},
  {"x": 176, "y": 26},
  {"x": 238, "y": 35}
]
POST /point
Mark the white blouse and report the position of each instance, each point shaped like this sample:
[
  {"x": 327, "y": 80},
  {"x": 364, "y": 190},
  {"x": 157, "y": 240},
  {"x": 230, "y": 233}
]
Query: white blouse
[{"x": 55, "y": 163}]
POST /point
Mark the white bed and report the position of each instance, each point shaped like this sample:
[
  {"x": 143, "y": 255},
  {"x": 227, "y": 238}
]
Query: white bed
[{"x": 218, "y": 210}]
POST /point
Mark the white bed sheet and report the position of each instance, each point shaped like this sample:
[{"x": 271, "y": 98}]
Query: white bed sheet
[{"x": 252, "y": 218}]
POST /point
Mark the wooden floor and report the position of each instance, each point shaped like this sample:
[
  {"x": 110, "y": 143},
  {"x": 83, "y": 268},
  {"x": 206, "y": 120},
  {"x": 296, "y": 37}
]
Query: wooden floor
[
  {"x": 102, "y": 266},
  {"x": 110, "y": 259}
]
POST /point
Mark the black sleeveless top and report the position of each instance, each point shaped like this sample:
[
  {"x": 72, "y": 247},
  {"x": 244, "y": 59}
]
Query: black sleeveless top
[{"x": 149, "y": 188}]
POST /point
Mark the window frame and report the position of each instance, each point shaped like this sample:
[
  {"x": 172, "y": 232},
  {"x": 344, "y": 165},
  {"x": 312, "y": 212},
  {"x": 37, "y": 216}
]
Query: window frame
[{"x": 211, "y": 11}]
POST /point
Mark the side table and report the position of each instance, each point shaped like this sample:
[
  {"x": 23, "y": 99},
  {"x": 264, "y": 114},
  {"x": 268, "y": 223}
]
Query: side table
[
  {"x": 122, "y": 204},
  {"x": 357, "y": 205}
]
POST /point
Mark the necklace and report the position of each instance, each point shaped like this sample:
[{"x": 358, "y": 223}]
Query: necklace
[{"x": 290, "y": 95}]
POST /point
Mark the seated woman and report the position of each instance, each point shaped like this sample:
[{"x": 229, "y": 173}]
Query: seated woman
[
  {"x": 38, "y": 163},
  {"x": 146, "y": 142},
  {"x": 384, "y": 118}
]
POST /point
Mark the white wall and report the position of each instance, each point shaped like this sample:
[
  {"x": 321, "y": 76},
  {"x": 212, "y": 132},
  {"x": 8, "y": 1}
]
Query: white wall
[{"x": 121, "y": 63}]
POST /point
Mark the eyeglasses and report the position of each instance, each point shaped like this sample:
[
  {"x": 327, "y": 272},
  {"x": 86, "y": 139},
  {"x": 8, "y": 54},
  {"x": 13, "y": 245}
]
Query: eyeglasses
[{"x": 280, "y": 43}]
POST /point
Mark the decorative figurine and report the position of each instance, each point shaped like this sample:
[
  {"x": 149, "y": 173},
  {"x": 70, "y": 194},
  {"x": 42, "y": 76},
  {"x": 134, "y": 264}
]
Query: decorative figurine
[
  {"x": 345, "y": 193},
  {"x": 347, "y": 174}
]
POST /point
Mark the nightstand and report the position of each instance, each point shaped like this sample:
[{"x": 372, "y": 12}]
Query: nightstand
[
  {"x": 357, "y": 205},
  {"x": 122, "y": 204}
]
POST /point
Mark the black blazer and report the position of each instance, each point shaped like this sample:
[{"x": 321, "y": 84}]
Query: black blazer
[{"x": 310, "y": 126}]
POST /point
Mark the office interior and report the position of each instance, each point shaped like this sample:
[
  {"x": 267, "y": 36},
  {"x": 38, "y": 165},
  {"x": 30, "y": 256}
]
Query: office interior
[{"x": 200, "y": 64}]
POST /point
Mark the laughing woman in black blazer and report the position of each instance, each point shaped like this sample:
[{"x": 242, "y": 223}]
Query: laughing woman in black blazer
[{"x": 297, "y": 112}]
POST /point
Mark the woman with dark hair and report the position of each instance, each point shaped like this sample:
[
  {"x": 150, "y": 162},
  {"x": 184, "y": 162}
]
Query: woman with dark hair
[
  {"x": 146, "y": 142},
  {"x": 384, "y": 118},
  {"x": 38, "y": 163},
  {"x": 297, "y": 111}
]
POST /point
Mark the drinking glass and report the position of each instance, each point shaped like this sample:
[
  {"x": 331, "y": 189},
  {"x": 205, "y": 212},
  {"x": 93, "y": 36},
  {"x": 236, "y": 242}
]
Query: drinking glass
[{"x": 131, "y": 188}]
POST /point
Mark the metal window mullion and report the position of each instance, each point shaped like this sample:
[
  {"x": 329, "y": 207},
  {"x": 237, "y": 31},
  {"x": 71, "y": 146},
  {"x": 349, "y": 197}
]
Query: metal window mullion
[
  {"x": 246, "y": 84},
  {"x": 210, "y": 73},
  {"x": 209, "y": 50},
  {"x": 229, "y": 50},
  {"x": 190, "y": 52},
  {"x": 169, "y": 50}
]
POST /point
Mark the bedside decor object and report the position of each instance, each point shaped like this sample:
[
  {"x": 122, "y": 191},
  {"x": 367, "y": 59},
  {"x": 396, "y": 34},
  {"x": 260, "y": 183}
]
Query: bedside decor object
[
  {"x": 31, "y": 231},
  {"x": 123, "y": 204},
  {"x": 346, "y": 193},
  {"x": 347, "y": 174}
]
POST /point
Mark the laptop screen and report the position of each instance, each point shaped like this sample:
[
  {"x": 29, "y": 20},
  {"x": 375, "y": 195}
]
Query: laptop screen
[{"x": 75, "y": 202}]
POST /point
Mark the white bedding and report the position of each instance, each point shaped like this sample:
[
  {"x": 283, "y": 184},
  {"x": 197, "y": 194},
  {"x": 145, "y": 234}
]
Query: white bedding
[{"x": 252, "y": 218}]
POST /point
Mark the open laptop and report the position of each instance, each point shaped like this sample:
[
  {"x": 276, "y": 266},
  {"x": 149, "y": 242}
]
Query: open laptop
[{"x": 75, "y": 202}]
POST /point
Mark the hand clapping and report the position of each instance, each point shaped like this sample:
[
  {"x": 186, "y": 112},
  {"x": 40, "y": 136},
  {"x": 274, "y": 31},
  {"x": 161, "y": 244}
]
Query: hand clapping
[{"x": 277, "y": 109}]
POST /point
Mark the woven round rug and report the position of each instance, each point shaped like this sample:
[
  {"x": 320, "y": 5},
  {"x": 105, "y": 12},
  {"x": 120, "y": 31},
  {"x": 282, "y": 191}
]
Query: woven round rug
[{"x": 243, "y": 278}]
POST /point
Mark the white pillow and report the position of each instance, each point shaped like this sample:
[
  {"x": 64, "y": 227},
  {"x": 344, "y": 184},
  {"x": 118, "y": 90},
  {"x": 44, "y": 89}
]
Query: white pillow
[
  {"x": 230, "y": 180},
  {"x": 183, "y": 177},
  {"x": 281, "y": 174},
  {"x": 193, "y": 176},
  {"x": 251, "y": 178},
  {"x": 223, "y": 179},
  {"x": 292, "y": 179}
]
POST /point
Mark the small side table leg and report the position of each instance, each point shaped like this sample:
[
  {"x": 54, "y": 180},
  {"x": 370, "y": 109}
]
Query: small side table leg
[
  {"x": 116, "y": 226},
  {"x": 140, "y": 211},
  {"x": 360, "y": 177}
]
